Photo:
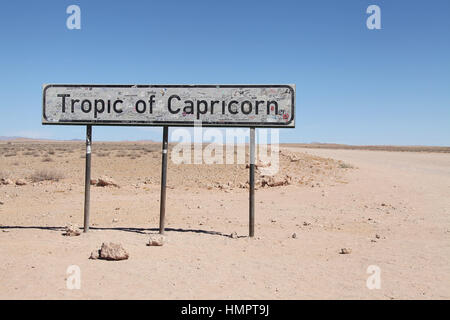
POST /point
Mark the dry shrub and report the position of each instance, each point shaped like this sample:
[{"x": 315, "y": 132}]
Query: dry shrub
[
  {"x": 344, "y": 165},
  {"x": 103, "y": 154},
  {"x": 46, "y": 175}
]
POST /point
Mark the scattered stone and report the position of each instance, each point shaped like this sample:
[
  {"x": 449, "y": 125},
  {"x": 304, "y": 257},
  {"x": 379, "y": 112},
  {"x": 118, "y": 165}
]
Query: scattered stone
[
  {"x": 294, "y": 236},
  {"x": 377, "y": 236},
  {"x": 105, "y": 181},
  {"x": 345, "y": 251},
  {"x": 276, "y": 181},
  {"x": 71, "y": 231},
  {"x": 1, "y": 203},
  {"x": 6, "y": 181},
  {"x": 115, "y": 220},
  {"x": 20, "y": 182},
  {"x": 260, "y": 164},
  {"x": 224, "y": 187},
  {"x": 112, "y": 251},
  {"x": 94, "y": 182},
  {"x": 244, "y": 185},
  {"x": 95, "y": 255},
  {"x": 233, "y": 235},
  {"x": 156, "y": 240}
]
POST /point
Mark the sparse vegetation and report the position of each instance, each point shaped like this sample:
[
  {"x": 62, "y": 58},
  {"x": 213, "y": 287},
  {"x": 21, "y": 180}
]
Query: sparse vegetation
[
  {"x": 11, "y": 154},
  {"x": 46, "y": 175},
  {"x": 102, "y": 154},
  {"x": 30, "y": 153},
  {"x": 344, "y": 165}
]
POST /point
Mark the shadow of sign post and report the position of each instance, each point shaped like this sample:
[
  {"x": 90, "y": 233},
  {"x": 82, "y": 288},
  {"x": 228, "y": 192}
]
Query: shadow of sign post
[{"x": 251, "y": 106}]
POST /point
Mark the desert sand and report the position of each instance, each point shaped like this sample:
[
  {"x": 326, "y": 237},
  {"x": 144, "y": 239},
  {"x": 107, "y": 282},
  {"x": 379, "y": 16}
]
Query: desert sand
[{"x": 391, "y": 209}]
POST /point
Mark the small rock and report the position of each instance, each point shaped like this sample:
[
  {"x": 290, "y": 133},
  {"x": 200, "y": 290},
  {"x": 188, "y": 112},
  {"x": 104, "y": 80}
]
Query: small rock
[
  {"x": 115, "y": 220},
  {"x": 377, "y": 236},
  {"x": 1, "y": 203},
  {"x": 276, "y": 181},
  {"x": 345, "y": 251},
  {"x": 294, "y": 236},
  {"x": 105, "y": 181},
  {"x": 71, "y": 231},
  {"x": 156, "y": 240},
  {"x": 95, "y": 255},
  {"x": 224, "y": 187},
  {"x": 94, "y": 182},
  {"x": 243, "y": 185},
  {"x": 20, "y": 182},
  {"x": 233, "y": 235},
  {"x": 113, "y": 251},
  {"x": 6, "y": 181}
]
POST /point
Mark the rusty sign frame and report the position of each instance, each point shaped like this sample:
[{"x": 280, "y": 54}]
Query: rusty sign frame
[
  {"x": 164, "y": 152},
  {"x": 290, "y": 87}
]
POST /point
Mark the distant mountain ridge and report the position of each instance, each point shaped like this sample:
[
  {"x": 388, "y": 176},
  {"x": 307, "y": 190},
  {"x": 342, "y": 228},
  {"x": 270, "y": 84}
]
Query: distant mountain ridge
[{"x": 17, "y": 138}]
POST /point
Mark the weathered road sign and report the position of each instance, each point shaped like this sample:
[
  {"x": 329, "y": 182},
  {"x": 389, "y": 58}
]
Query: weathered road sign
[{"x": 170, "y": 105}]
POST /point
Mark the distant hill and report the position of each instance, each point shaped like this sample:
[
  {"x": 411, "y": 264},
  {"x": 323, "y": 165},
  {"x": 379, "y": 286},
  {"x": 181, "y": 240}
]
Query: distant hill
[{"x": 16, "y": 138}]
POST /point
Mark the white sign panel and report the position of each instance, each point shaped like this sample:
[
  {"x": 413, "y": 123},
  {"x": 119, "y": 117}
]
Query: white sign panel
[{"x": 170, "y": 105}]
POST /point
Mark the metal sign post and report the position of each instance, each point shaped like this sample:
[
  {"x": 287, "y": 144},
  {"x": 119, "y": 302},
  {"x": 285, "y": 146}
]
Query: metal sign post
[
  {"x": 251, "y": 225},
  {"x": 87, "y": 180},
  {"x": 214, "y": 105},
  {"x": 162, "y": 208}
]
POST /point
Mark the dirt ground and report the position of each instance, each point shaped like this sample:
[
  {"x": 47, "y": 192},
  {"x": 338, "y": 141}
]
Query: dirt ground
[{"x": 392, "y": 209}]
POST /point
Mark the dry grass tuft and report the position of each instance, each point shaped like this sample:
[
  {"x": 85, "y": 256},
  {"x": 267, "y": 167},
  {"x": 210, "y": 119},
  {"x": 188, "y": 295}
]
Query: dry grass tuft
[
  {"x": 46, "y": 175},
  {"x": 344, "y": 165}
]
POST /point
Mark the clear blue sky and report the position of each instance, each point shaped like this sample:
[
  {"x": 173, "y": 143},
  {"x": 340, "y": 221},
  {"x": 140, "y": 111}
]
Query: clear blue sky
[{"x": 354, "y": 85}]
